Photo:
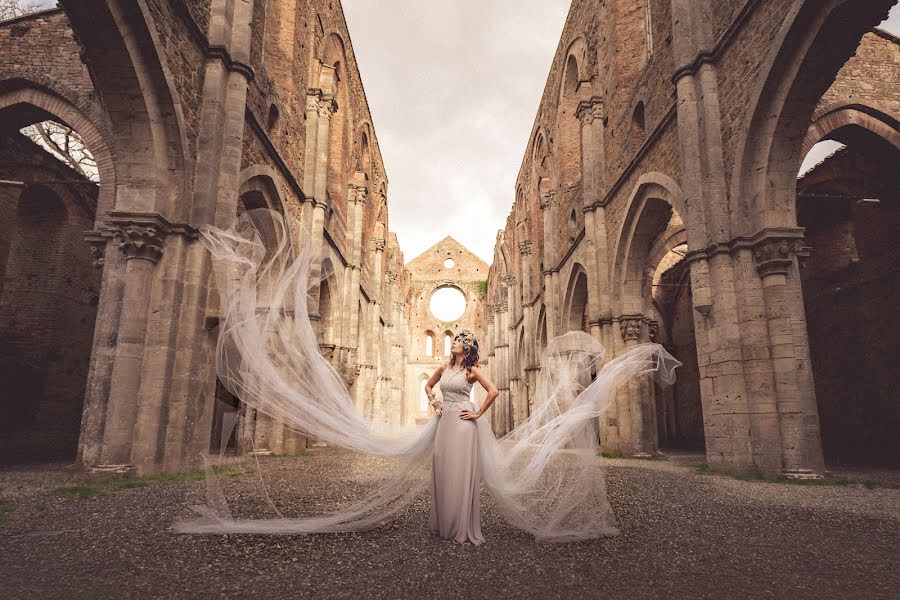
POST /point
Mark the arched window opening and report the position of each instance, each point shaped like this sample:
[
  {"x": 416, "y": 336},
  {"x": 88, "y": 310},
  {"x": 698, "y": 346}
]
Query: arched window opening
[
  {"x": 637, "y": 118},
  {"x": 429, "y": 345}
]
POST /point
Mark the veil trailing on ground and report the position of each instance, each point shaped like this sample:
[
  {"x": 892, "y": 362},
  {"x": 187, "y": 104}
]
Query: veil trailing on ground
[{"x": 545, "y": 475}]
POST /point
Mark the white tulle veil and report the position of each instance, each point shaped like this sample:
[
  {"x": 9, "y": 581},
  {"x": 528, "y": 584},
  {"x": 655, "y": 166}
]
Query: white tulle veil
[{"x": 545, "y": 475}]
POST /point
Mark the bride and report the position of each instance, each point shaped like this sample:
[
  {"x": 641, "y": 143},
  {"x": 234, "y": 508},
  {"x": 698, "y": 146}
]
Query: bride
[
  {"x": 456, "y": 471},
  {"x": 546, "y": 475}
]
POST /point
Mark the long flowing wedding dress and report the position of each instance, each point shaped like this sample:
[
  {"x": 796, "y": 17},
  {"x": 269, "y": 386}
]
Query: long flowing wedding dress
[
  {"x": 456, "y": 468},
  {"x": 546, "y": 475}
]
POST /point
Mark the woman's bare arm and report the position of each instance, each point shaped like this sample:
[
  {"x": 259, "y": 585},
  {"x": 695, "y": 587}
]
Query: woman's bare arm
[
  {"x": 435, "y": 377},
  {"x": 492, "y": 391}
]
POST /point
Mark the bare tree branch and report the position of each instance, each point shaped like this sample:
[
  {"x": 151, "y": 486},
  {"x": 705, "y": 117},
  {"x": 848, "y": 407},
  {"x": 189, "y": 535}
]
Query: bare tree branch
[
  {"x": 65, "y": 144},
  {"x": 10, "y": 9}
]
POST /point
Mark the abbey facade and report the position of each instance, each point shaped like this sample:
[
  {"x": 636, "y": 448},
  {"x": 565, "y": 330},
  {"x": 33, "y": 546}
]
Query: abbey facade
[{"x": 658, "y": 200}]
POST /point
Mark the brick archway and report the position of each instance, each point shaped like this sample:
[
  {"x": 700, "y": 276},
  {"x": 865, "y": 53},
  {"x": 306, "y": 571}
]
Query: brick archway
[
  {"x": 831, "y": 118},
  {"x": 19, "y": 94},
  {"x": 810, "y": 48}
]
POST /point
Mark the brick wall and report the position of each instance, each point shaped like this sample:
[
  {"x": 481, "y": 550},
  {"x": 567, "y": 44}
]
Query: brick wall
[
  {"x": 851, "y": 290},
  {"x": 47, "y": 304}
]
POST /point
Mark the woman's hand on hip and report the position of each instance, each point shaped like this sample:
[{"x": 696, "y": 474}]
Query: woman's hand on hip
[{"x": 468, "y": 415}]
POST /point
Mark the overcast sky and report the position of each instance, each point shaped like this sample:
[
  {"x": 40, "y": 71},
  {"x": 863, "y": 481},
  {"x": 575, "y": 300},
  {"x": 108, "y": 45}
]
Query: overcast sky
[{"x": 453, "y": 87}]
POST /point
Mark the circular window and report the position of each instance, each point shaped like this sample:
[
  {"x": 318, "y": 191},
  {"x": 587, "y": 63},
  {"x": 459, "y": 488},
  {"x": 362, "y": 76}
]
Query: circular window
[
  {"x": 447, "y": 304},
  {"x": 449, "y": 263}
]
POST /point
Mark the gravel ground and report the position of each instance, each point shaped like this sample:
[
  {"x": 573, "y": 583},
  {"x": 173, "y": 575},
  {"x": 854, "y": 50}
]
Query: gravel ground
[{"x": 683, "y": 534}]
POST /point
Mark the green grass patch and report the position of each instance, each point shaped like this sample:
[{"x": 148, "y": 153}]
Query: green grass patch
[
  {"x": 301, "y": 454},
  {"x": 81, "y": 491},
  {"x": 610, "y": 455},
  {"x": 6, "y": 510},
  {"x": 702, "y": 470},
  {"x": 90, "y": 489}
]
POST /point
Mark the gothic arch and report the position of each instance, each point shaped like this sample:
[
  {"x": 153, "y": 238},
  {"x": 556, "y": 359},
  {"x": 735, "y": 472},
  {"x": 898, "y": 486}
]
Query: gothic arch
[
  {"x": 812, "y": 45},
  {"x": 123, "y": 51},
  {"x": 574, "y": 87},
  {"x": 829, "y": 120},
  {"x": 17, "y": 95},
  {"x": 576, "y": 299},
  {"x": 647, "y": 213}
]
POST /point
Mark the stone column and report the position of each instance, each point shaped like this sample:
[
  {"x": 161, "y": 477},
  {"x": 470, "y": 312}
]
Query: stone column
[
  {"x": 591, "y": 113},
  {"x": 325, "y": 107},
  {"x": 521, "y": 397},
  {"x": 801, "y": 450},
  {"x": 550, "y": 297},
  {"x": 142, "y": 246},
  {"x": 731, "y": 426}
]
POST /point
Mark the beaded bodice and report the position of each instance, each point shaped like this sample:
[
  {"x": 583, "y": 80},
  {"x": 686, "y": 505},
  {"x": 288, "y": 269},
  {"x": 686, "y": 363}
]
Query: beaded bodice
[{"x": 454, "y": 387}]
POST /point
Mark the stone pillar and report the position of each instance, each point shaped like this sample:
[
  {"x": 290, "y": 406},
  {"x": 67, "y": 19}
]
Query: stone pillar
[
  {"x": 358, "y": 195},
  {"x": 109, "y": 309},
  {"x": 801, "y": 450},
  {"x": 142, "y": 246},
  {"x": 325, "y": 107},
  {"x": 520, "y": 399},
  {"x": 731, "y": 425},
  {"x": 550, "y": 298}
]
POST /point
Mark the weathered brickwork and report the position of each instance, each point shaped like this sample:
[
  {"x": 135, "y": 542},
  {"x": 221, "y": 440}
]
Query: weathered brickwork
[
  {"x": 682, "y": 225},
  {"x": 48, "y": 299},
  {"x": 197, "y": 110},
  {"x": 849, "y": 206}
]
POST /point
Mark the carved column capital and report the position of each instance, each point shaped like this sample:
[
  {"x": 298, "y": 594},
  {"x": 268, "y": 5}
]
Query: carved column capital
[
  {"x": 547, "y": 200},
  {"x": 653, "y": 329},
  {"x": 358, "y": 194},
  {"x": 379, "y": 244},
  {"x": 391, "y": 276},
  {"x": 774, "y": 256},
  {"x": 320, "y": 102},
  {"x": 525, "y": 247},
  {"x": 140, "y": 241},
  {"x": 98, "y": 247},
  {"x": 509, "y": 280},
  {"x": 590, "y": 110},
  {"x": 630, "y": 327}
]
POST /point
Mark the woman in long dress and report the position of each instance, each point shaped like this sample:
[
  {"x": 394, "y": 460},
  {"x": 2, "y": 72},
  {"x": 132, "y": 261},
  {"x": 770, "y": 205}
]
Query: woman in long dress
[
  {"x": 456, "y": 468},
  {"x": 544, "y": 475}
]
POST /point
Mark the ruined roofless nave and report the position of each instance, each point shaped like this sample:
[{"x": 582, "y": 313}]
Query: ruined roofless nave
[{"x": 658, "y": 199}]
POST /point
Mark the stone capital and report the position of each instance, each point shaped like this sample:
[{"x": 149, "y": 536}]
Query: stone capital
[
  {"x": 98, "y": 246},
  {"x": 630, "y": 327},
  {"x": 358, "y": 194},
  {"x": 653, "y": 329},
  {"x": 509, "y": 280},
  {"x": 391, "y": 276},
  {"x": 379, "y": 244},
  {"x": 547, "y": 200},
  {"x": 774, "y": 256},
  {"x": 590, "y": 110},
  {"x": 142, "y": 241},
  {"x": 525, "y": 247},
  {"x": 320, "y": 102}
]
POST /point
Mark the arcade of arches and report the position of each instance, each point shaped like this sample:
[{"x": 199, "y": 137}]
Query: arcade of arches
[
  {"x": 684, "y": 223},
  {"x": 658, "y": 199}
]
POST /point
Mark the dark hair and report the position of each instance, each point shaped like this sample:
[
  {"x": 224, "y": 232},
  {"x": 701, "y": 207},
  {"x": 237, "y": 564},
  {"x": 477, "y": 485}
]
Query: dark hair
[{"x": 471, "y": 358}]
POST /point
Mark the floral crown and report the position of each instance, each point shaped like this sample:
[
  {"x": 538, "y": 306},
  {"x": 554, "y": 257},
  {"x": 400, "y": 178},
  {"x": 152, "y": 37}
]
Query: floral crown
[{"x": 468, "y": 340}]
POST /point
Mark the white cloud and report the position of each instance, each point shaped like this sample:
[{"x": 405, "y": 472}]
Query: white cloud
[{"x": 453, "y": 88}]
